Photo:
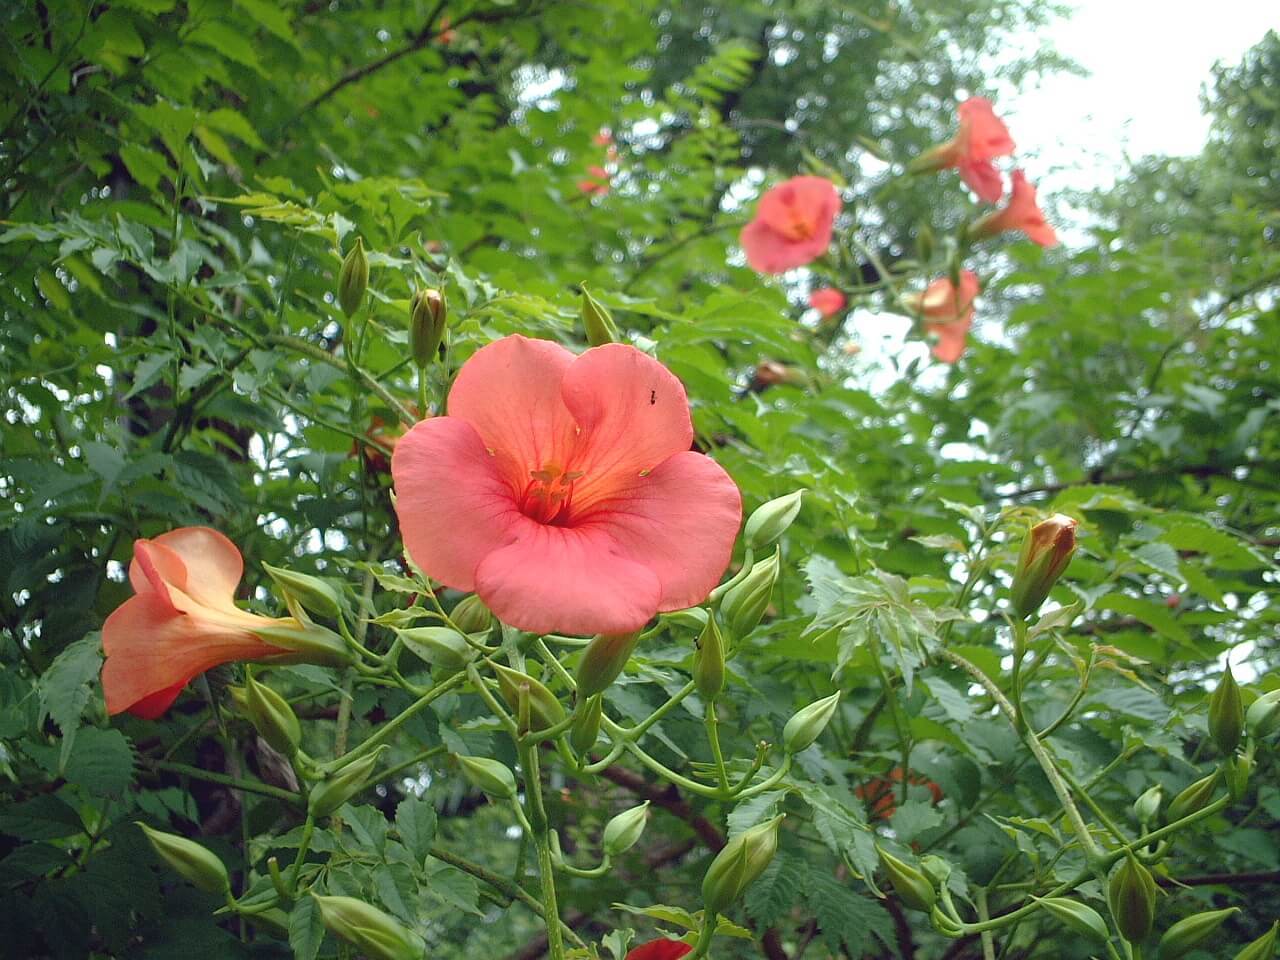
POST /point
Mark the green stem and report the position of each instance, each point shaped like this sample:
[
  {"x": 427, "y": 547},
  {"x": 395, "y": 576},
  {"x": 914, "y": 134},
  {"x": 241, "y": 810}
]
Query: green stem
[
  {"x": 706, "y": 933},
  {"x": 249, "y": 786},
  {"x": 308, "y": 828},
  {"x": 546, "y": 869},
  {"x": 307, "y": 349},
  {"x": 713, "y": 738},
  {"x": 395, "y": 723}
]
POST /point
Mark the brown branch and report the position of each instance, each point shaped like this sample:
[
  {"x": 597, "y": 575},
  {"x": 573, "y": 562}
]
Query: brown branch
[
  {"x": 1097, "y": 477},
  {"x": 1224, "y": 879}
]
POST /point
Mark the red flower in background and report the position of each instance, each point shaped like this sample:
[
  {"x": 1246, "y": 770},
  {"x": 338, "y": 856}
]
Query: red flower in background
[
  {"x": 792, "y": 226},
  {"x": 879, "y": 793},
  {"x": 1021, "y": 213},
  {"x": 660, "y": 950},
  {"x": 593, "y": 187},
  {"x": 828, "y": 301},
  {"x": 981, "y": 137},
  {"x": 562, "y": 490},
  {"x": 948, "y": 313}
]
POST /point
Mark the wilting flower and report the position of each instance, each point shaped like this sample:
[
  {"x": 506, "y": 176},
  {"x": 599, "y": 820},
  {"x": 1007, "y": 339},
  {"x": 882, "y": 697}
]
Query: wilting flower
[
  {"x": 660, "y": 950},
  {"x": 563, "y": 492},
  {"x": 1021, "y": 213},
  {"x": 183, "y": 620},
  {"x": 792, "y": 225},
  {"x": 948, "y": 313},
  {"x": 981, "y": 137},
  {"x": 828, "y": 301}
]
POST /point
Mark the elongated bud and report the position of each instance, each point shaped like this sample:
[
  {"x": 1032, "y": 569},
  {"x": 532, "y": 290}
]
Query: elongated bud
[
  {"x": 1193, "y": 798},
  {"x": 328, "y": 795},
  {"x": 1263, "y": 716},
  {"x": 1226, "y": 714},
  {"x": 603, "y": 661},
  {"x": 1045, "y": 554},
  {"x": 353, "y": 278},
  {"x": 491, "y": 776},
  {"x": 744, "y": 604},
  {"x": 738, "y": 864},
  {"x": 441, "y": 647},
  {"x": 1147, "y": 806},
  {"x": 189, "y": 860},
  {"x": 544, "y": 709},
  {"x": 596, "y": 321},
  {"x": 272, "y": 716},
  {"x": 708, "y": 660},
  {"x": 622, "y": 832},
  {"x": 586, "y": 725},
  {"x": 373, "y": 933},
  {"x": 925, "y": 242},
  {"x": 1187, "y": 934},
  {"x": 911, "y": 885},
  {"x": 1077, "y": 916},
  {"x": 313, "y": 593},
  {"x": 428, "y": 318},
  {"x": 471, "y": 615},
  {"x": 1131, "y": 894},
  {"x": 771, "y": 520},
  {"x": 1264, "y": 948},
  {"x": 808, "y": 723},
  {"x": 306, "y": 642},
  {"x": 1239, "y": 769}
]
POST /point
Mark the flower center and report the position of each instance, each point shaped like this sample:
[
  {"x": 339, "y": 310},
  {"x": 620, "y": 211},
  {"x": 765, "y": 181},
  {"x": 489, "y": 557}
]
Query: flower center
[{"x": 549, "y": 494}]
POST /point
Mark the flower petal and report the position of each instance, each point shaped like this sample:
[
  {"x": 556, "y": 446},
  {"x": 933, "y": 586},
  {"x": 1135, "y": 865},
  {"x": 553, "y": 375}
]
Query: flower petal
[
  {"x": 454, "y": 504},
  {"x": 983, "y": 179},
  {"x": 211, "y": 565},
  {"x": 808, "y": 202},
  {"x": 951, "y": 339},
  {"x": 660, "y": 950},
  {"x": 566, "y": 579},
  {"x": 679, "y": 522},
  {"x": 987, "y": 135},
  {"x": 509, "y": 391}
]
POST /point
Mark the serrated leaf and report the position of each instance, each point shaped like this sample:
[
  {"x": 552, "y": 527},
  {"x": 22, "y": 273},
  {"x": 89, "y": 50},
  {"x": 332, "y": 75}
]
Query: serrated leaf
[
  {"x": 416, "y": 826},
  {"x": 102, "y": 762},
  {"x": 306, "y": 932},
  {"x": 849, "y": 922},
  {"x": 67, "y": 685},
  {"x": 777, "y": 890}
]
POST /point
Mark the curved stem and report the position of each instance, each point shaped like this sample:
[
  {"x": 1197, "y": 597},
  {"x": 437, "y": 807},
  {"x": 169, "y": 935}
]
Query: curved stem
[
  {"x": 713, "y": 738},
  {"x": 382, "y": 734}
]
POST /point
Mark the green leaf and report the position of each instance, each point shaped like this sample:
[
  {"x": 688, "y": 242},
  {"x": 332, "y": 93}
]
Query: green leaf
[
  {"x": 306, "y": 932},
  {"x": 101, "y": 762},
  {"x": 416, "y": 826},
  {"x": 849, "y": 922},
  {"x": 777, "y": 890},
  {"x": 67, "y": 686}
]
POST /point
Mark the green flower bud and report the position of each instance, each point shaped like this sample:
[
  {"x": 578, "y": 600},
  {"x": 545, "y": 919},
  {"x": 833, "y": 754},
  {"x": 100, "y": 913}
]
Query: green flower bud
[
  {"x": 596, "y": 321},
  {"x": 1263, "y": 716},
  {"x": 622, "y": 832},
  {"x": 603, "y": 661},
  {"x": 1079, "y": 917},
  {"x": 911, "y": 885},
  {"x": 373, "y": 933},
  {"x": 1226, "y": 714},
  {"x": 1193, "y": 798},
  {"x": 353, "y": 278},
  {"x": 428, "y": 318},
  {"x": 1189, "y": 933},
  {"x": 925, "y": 242},
  {"x": 441, "y": 647},
  {"x": 490, "y": 776},
  {"x": 1045, "y": 554},
  {"x": 328, "y": 795},
  {"x": 1131, "y": 895},
  {"x": 272, "y": 716},
  {"x": 771, "y": 520},
  {"x": 306, "y": 642},
  {"x": 708, "y": 660},
  {"x": 1239, "y": 769},
  {"x": 1147, "y": 806},
  {"x": 470, "y": 615},
  {"x": 738, "y": 864},
  {"x": 1264, "y": 948},
  {"x": 808, "y": 723},
  {"x": 190, "y": 860},
  {"x": 744, "y": 604},
  {"x": 313, "y": 593},
  {"x": 586, "y": 725},
  {"x": 544, "y": 709}
]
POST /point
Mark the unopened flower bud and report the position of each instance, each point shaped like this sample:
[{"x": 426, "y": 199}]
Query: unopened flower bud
[
  {"x": 738, "y": 864},
  {"x": 1193, "y": 798},
  {"x": 353, "y": 278},
  {"x": 744, "y": 604},
  {"x": 925, "y": 242},
  {"x": 1045, "y": 554},
  {"x": 1239, "y": 769},
  {"x": 603, "y": 661},
  {"x": 1226, "y": 714},
  {"x": 596, "y": 321},
  {"x": 808, "y": 723},
  {"x": 708, "y": 660},
  {"x": 373, "y": 933},
  {"x": 272, "y": 716},
  {"x": 441, "y": 647},
  {"x": 490, "y": 776},
  {"x": 1147, "y": 806},
  {"x": 586, "y": 724},
  {"x": 314, "y": 593},
  {"x": 328, "y": 795},
  {"x": 544, "y": 709},
  {"x": 190, "y": 860},
  {"x": 470, "y": 615},
  {"x": 1263, "y": 716},
  {"x": 1077, "y": 916},
  {"x": 911, "y": 885},
  {"x": 306, "y": 642},
  {"x": 622, "y": 832},
  {"x": 1187, "y": 934},
  {"x": 771, "y": 520},
  {"x": 1131, "y": 895},
  {"x": 428, "y": 318},
  {"x": 1264, "y": 948}
]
